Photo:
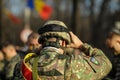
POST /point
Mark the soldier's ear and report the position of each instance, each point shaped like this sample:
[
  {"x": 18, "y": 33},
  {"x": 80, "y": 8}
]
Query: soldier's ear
[
  {"x": 63, "y": 43},
  {"x": 107, "y": 42},
  {"x": 118, "y": 41}
]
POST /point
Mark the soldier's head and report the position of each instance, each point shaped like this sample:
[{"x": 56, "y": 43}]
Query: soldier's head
[
  {"x": 8, "y": 49},
  {"x": 113, "y": 40},
  {"x": 54, "y": 33},
  {"x": 33, "y": 40}
]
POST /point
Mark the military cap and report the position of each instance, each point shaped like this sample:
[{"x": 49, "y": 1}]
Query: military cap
[{"x": 57, "y": 28}]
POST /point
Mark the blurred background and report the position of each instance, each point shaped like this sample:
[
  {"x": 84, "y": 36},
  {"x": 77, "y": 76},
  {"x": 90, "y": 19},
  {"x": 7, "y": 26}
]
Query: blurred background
[{"x": 90, "y": 20}]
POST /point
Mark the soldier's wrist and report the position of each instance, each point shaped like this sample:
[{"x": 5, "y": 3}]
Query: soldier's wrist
[{"x": 84, "y": 47}]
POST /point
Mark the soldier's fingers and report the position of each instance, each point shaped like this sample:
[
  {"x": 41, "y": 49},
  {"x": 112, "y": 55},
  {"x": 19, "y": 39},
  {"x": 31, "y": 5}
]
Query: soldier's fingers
[
  {"x": 70, "y": 46},
  {"x": 75, "y": 39},
  {"x": 72, "y": 35}
]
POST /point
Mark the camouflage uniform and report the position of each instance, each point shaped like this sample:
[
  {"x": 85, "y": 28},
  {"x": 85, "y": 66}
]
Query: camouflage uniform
[
  {"x": 9, "y": 67},
  {"x": 50, "y": 64},
  {"x": 2, "y": 64},
  {"x": 74, "y": 67}
]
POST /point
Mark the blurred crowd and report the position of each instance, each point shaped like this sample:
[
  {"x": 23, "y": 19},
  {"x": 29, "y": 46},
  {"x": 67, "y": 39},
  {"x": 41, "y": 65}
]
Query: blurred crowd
[{"x": 11, "y": 54}]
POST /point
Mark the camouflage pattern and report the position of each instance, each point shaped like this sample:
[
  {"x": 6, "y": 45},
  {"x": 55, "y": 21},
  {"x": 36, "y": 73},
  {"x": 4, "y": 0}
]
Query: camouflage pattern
[
  {"x": 17, "y": 75},
  {"x": 2, "y": 64},
  {"x": 63, "y": 35},
  {"x": 9, "y": 67},
  {"x": 55, "y": 22},
  {"x": 89, "y": 64}
]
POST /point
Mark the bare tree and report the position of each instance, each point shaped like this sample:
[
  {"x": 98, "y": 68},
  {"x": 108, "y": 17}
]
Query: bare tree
[
  {"x": 74, "y": 15},
  {"x": 57, "y": 10},
  {"x": 97, "y": 24},
  {"x": 92, "y": 13}
]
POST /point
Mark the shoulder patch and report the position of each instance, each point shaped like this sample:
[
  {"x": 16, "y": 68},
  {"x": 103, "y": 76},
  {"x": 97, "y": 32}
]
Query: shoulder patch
[{"x": 94, "y": 60}]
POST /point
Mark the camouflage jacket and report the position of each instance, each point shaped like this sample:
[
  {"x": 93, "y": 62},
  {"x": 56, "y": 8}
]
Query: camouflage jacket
[
  {"x": 2, "y": 65},
  {"x": 9, "y": 67},
  {"x": 89, "y": 64}
]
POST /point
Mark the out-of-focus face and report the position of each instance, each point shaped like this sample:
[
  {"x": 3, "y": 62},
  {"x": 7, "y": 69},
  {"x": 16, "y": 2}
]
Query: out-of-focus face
[
  {"x": 114, "y": 42},
  {"x": 9, "y": 51},
  {"x": 33, "y": 41}
]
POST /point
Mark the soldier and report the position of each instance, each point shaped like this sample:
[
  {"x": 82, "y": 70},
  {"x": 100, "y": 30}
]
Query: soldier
[
  {"x": 57, "y": 60},
  {"x": 32, "y": 44},
  {"x": 113, "y": 42},
  {"x": 11, "y": 58}
]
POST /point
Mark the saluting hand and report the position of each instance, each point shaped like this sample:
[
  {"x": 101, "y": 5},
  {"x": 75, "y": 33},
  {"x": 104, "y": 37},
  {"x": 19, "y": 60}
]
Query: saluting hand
[{"x": 75, "y": 41}]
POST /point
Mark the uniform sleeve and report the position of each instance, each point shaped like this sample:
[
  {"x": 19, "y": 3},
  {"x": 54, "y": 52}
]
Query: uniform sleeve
[
  {"x": 17, "y": 73},
  {"x": 10, "y": 67},
  {"x": 97, "y": 60}
]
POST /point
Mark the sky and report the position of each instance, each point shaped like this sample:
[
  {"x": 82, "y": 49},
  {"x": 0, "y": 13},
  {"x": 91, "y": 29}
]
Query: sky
[{"x": 17, "y": 6}]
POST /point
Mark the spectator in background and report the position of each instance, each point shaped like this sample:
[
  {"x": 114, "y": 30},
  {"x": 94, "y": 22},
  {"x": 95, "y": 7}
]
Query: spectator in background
[
  {"x": 113, "y": 42},
  {"x": 32, "y": 44},
  {"x": 11, "y": 58}
]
